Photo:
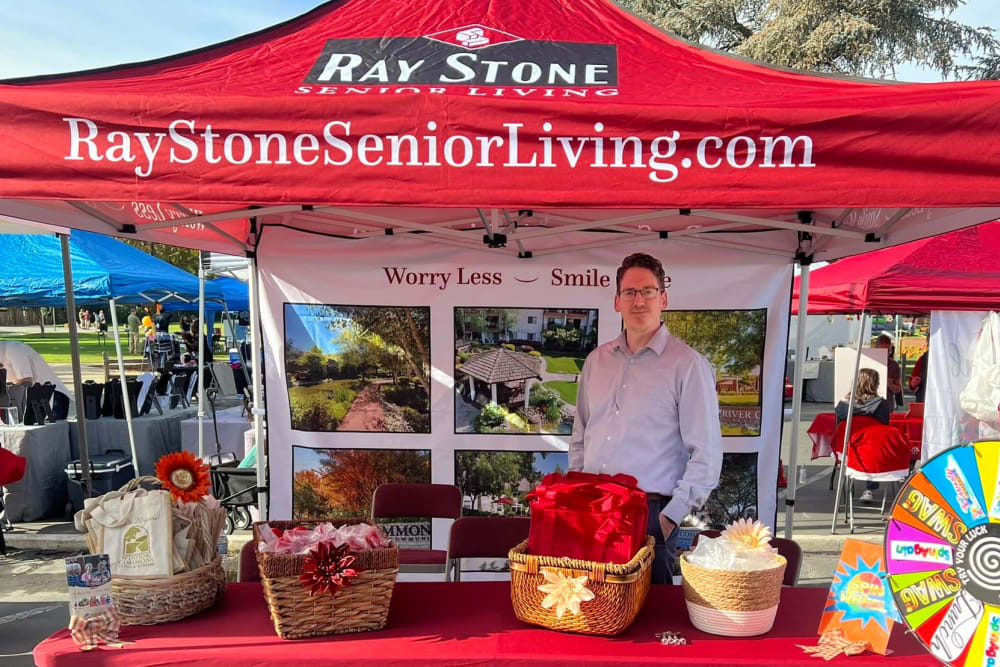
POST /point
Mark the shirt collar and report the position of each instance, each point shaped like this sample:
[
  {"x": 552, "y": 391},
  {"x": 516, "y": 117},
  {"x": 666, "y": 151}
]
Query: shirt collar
[{"x": 658, "y": 343}]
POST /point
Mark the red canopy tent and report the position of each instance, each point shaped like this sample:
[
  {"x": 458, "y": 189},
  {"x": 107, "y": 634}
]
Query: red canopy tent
[
  {"x": 576, "y": 111},
  {"x": 555, "y": 126},
  {"x": 955, "y": 271}
]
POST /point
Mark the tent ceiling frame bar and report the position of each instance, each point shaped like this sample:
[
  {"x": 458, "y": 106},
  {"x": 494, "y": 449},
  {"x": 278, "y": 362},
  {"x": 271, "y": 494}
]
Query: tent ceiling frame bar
[
  {"x": 186, "y": 211},
  {"x": 632, "y": 238},
  {"x": 510, "y": 229},
  {"x": 577, "y": 225},
  {"x": 779, "y": 224},
  {"x": 449, "y": 241},
  {"x": 95, "y": 214},
  {"x": 486, "y": 223},
  {"x": 891, "y": 222},
  {"x": 392, "y": 222},
  {"x": 221, "y": 216},
  {"x": 345, "y": 224},
  {"x": 702, "y": 240}
]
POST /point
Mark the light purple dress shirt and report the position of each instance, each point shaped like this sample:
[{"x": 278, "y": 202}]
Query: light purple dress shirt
[{"x": 653, "y": 415}]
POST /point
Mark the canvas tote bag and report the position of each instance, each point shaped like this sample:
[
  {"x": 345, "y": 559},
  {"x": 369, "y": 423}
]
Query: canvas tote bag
[{"x": 136, "y": 531}]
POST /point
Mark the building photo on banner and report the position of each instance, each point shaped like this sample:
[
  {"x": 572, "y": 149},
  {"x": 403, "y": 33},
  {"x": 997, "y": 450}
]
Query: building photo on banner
[{"x": 477, "y": 371}]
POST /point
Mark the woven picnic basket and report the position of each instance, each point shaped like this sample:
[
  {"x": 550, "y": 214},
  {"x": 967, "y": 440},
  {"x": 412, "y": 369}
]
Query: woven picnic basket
[
  {"x": 362, "y": 606},
  {"x": 155, "y": 600},
  {"x": 732, "y": 603},
  {"x": 619, "y": 590}
]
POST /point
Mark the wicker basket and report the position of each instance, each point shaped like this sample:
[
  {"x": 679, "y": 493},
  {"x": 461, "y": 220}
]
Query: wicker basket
[
  {"x": 731, "y": 603},
  {"x": 153, "y": 600},
  {"x": 360, "y": 607},
  {"x": 619, "y": 590}
]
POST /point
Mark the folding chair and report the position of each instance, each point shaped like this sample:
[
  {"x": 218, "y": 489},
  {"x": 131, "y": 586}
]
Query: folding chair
[
  {"x": 248, "y": 563},
  {"x": 483, "y": 537},
  {"x": 790, "y": 549},
  {"x": 876, "y": 453},
  {"x": 435, "y": 501}
]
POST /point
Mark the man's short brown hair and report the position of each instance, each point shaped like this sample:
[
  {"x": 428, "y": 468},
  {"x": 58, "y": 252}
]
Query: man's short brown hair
[{"x": 642, "y": 261}]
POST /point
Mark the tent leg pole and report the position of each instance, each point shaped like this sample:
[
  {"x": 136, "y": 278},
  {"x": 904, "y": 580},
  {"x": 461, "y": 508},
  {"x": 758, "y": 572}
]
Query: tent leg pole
[
  {"x": 74, "y": 347},
  {"x": 258, "y": 403},
  {"x": 847, "y": 427},
  {"x": 201, "y": 357},
  {"x": 125, "y": 401},
  {"x": 793, "y": 446}
]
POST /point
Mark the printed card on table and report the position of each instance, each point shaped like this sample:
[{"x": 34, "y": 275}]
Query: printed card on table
[
  {"x": 860, "y": 603},
  {"x": 89, "y": 581}
]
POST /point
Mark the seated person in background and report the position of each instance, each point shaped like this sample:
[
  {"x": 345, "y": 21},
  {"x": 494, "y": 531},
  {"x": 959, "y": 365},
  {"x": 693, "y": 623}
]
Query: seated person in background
[
  {"x": 918, "y": 379},
  {"x": 867, "y": 403}
]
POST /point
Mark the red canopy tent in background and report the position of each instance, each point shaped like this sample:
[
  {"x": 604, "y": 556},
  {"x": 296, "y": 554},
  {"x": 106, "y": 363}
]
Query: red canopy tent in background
[
  {"x": 559, "y": 125},
  {"x": 959, "y": 270}
]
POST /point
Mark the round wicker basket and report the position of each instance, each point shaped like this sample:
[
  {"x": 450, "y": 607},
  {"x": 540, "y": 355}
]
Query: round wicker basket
[
  {"x": 154, "y": 600},
  {"x": 732, "y": 603}
]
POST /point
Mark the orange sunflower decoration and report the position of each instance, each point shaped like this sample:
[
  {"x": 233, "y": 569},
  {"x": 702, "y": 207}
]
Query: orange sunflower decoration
[{"x": 184, "y": 476}]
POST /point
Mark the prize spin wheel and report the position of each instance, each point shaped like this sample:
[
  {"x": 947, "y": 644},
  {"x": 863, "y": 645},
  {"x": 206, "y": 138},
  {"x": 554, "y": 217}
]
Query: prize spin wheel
[{"x": 942, "y": 554}]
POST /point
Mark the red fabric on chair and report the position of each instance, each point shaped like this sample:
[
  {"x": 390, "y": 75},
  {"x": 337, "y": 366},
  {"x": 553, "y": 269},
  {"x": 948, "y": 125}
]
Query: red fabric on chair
[
  {"x": 422, "y": 556},
  {"x": 874, "y": 446},
  {"x": 442, "y": 501},
  {"x": 248, "y": 563},
  {"x": 591, "y": 517},
  {"x": 486, "y": 536},
  {"x": 11, "y": 466}
]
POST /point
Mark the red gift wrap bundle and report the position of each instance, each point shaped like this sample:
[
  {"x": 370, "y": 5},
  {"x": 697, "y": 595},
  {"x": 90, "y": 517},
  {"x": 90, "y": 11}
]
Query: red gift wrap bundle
[{"x": 588, "y": 516}]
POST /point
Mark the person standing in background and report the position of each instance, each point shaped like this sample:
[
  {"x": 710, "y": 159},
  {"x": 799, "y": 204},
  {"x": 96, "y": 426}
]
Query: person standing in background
[
  {"x": 894, "y": 383},
  {"x": 133, "y": 332}
]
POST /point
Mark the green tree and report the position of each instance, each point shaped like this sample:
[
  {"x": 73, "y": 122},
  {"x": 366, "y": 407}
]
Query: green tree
[
  {"x": 736, "y": 495},
  {"x": 732, "y": 340},
  {"x": 313, "y": 363},
  {"x": 486, "y": 474},
  {"x": 408, "y": 329},
  {"x": 857, "y": 37},
  {"x": 506, "y": 321},
  {"x": 307, "y": 498},
  {"x": 182, "y": 258}
]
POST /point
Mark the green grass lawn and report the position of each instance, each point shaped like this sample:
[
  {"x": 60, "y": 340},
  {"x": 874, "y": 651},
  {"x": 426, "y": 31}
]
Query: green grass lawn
[
  {"x": 739, "y": 399},
  {"x": 567, "y": 390},
  {"x": 563, "y": 363},
  {"x": 54, "y": 347},
  {"x": 320, "y": 407}
]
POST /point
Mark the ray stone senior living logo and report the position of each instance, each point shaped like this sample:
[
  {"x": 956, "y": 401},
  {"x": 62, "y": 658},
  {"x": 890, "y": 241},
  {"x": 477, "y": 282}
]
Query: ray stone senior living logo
[{"x": 476, "y": 60}]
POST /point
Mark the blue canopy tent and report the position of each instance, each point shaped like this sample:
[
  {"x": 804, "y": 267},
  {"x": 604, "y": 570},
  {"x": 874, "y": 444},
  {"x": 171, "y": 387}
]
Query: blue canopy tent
[
  {"x": 235, "y": 295},
  {"x": 101, "y": 270}
]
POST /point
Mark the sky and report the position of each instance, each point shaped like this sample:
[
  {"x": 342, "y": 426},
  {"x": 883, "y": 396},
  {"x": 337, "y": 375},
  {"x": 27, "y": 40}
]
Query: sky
[
  {"x": 50, "y": 36},
  {"x": 303, "y": 329}
]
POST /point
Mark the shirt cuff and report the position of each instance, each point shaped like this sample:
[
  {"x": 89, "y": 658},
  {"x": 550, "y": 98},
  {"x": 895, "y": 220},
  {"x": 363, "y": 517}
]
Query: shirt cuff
[{"x": 675, "y": 510}]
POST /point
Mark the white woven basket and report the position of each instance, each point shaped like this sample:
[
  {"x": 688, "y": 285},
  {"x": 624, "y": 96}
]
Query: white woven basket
[{"x": 731, "y": 623}]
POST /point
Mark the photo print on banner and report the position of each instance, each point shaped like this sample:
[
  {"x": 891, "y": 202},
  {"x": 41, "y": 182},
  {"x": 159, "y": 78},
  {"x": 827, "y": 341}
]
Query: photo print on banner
[
  {"x": 358, "y": 368},
  {"x": 516, "y": 369},
  {"x": 734, "y": 498},
  {"x": 340, "y": 483},
  {"x": 495, "y": 483},
  {"x": 733, "y": 342}
]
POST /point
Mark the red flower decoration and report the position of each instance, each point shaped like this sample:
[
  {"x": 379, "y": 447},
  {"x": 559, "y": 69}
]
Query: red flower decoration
[
  {"x": 328, "y": 569},
  {"x": 184, "y": 476}
]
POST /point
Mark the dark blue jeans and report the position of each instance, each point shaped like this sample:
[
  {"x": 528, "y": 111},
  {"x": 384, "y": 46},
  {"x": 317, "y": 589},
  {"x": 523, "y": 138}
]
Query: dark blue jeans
[{"x": 663, "y": 566}]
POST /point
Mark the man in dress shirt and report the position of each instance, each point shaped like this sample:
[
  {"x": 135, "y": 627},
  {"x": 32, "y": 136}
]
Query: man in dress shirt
[{"x": 647, "y": 407}]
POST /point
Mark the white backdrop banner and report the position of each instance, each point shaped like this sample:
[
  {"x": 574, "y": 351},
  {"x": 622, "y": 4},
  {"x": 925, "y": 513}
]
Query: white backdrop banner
[
  {"x": 383, "y": 358},
  {"x": 950, "y": 364}
]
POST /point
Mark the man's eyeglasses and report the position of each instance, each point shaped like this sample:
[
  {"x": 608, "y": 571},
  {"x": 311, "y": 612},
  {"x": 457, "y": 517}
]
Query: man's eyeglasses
[{"x": 646, "y": 292}]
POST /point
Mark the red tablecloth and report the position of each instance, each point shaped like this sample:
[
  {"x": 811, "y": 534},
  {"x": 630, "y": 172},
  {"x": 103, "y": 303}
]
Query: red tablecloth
[
  {"x": 468, "y": 623},
  {"x": 822, "y": 428}
]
